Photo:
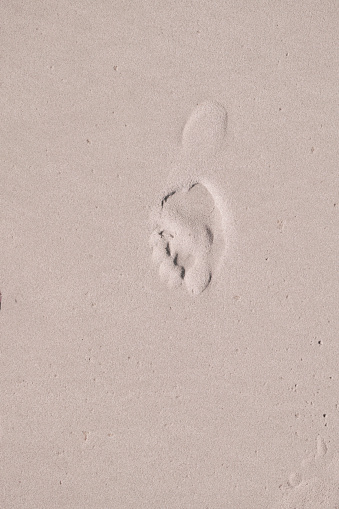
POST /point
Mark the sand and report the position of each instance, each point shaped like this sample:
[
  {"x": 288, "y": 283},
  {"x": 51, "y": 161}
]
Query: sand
[{"x": 169, "y": 255}]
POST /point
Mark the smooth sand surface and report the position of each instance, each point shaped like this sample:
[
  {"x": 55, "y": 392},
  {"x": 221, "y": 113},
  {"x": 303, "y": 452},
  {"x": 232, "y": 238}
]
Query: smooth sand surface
[{"x": 158, "y": 350}]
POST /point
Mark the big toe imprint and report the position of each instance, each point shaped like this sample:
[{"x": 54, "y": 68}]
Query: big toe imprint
[{"x": 187, "y": 241}]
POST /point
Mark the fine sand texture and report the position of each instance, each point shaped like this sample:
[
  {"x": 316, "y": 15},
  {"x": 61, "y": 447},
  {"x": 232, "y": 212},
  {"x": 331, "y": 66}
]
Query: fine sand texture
[{"x": 169, "y": 322}]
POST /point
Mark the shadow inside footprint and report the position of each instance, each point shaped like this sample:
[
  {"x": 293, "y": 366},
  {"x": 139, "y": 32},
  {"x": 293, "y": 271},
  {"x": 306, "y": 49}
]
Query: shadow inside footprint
[{"x": 187, "y": 238}]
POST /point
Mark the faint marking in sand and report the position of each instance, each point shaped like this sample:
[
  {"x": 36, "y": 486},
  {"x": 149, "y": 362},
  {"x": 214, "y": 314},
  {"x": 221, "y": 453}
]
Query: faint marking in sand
[
  {"x": 205, "y": 130},
  {"x": 315, "y": 485}
]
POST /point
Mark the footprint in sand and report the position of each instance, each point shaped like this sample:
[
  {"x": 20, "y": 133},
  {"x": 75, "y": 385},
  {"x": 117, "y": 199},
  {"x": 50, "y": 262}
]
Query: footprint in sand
[
  {"x": 315, "y": 485},
  {"x": 190, "y": 221}
]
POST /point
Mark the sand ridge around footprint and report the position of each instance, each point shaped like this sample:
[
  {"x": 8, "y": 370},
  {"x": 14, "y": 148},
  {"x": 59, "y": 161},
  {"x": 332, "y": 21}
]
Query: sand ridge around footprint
[{"x": 189, "y": 236}]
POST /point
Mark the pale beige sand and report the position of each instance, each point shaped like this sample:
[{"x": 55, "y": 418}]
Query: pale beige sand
[{"x": 116, "y": 391}]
